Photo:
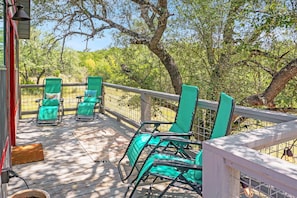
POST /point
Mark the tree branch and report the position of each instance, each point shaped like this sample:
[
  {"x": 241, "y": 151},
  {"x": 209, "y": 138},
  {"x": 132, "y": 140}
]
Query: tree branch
[{"x": 277, "y": 84}]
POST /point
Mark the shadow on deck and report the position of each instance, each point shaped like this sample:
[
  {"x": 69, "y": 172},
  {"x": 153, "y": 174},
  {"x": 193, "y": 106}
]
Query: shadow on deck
[{"x": 80, "y": 158}]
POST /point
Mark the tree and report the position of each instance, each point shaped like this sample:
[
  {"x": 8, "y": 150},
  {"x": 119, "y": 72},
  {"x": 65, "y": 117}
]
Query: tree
[
  {"x": 236, "y": 41},
  {"x": 142, "y": 22},
  {"x": 40, "y": 57},
  {"x": 241, "y": 36}
]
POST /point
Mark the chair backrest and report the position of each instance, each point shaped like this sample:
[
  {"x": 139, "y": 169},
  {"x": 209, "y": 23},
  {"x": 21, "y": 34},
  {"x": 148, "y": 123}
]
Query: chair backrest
[
  {"x": 186, "y": 109},
  {"x": 95, "y": 83},
  {"x": 221, "y": 125},
  {"x": 223, "y": 117},
  {"x": 52, "y": 86}
]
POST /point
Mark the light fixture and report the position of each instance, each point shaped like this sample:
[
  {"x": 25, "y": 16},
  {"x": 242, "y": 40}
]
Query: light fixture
[{"x": 20, "y": 14}]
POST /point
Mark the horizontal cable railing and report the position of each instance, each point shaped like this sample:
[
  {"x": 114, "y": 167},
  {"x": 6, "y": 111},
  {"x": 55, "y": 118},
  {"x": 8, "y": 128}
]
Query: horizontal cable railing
[{"x": 134, "y": 105}]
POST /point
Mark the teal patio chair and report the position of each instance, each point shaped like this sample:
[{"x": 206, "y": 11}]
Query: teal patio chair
[
  {"x": 50, "y": 107},
  {"x": 176, "y": 169},
  {"x": 180, "y": 127},
  {"x": 92, "y": 99}
]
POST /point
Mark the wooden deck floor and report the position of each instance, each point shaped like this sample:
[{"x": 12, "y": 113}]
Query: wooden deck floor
[{"x": 79, "y": 159}]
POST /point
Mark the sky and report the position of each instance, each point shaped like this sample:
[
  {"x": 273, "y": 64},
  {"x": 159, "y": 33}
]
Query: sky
[{"x": 78, "y": 43}]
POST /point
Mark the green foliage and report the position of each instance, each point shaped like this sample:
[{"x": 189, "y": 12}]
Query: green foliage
[
  {"x": 99, "y": 63},
  {"x": 145, "y": 71},
  {"x": 41, "y": 57},
  {"x": 231, "y": 46},
  {"x": 138, "y": 67}
]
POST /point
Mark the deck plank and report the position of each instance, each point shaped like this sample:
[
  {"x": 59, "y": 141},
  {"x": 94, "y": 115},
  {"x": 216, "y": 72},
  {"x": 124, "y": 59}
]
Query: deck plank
[{"x": 69, "y": 169}]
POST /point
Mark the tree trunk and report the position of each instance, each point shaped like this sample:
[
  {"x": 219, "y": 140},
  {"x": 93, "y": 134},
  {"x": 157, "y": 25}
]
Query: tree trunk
[
  {"x": 170, "y": 65},
  {"x": 39, "y": 76}
]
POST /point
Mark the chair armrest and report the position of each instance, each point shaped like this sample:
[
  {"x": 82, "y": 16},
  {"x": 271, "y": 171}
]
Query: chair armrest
[
  {"x": 180, "y": 139},
  {"x": 172, "y": 134},
  {"x": 167, "y": 134},
  {"x": 38, "y": 100},
  {"x": 183, "y": 166},
  {"x": 155, "y": 122}
]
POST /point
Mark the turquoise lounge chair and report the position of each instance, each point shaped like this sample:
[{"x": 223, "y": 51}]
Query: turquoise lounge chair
[
  {"x": 92, "y": 99},
  {"x": 50, "y": 107},
  {"x": 177, "y": 169},
  {"x": 180, "y": 127}
]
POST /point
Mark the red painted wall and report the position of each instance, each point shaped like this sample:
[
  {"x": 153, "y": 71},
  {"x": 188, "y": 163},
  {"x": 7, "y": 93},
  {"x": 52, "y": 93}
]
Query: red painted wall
[{"x": 7, "y": 132}]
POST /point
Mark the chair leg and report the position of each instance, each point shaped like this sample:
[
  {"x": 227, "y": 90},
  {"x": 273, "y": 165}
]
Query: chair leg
[
  {"x": 60, "y": 114},
  {"x": 125, "y": 195},
  {"x": 124, "y": 156},
  {"x": 133, "y": 190},
  {"x": 37, "y": 121},
  {"x": 75, "y": 116},
  {"x": 196, "y": 187},
  {"x": 168, "y": 186}
]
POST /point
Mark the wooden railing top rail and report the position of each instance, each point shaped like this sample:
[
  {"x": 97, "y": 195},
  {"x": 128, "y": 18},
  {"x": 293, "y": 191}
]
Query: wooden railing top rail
[{"x": 265, "y": 115}]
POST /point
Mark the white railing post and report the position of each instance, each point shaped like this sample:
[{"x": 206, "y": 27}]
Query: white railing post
[{"x": 219, "y": 179}]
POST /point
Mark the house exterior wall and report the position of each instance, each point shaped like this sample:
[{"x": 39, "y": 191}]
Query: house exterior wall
[{"x": 8, "y": 88}]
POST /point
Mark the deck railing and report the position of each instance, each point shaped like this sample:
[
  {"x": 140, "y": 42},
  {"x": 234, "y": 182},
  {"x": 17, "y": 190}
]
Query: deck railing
[
  {"x": 254, "y": 150},
  {"x": 227, "y": 158}
]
